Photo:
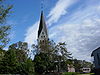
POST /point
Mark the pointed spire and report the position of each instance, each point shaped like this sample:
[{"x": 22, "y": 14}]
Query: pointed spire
[{"x": 42, "y": 25}]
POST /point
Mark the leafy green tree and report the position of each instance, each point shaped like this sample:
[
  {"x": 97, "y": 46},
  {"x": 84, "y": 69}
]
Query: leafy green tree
[
  {"x": 2, "y": 53},
  {"x": 86, "y": 64},
  {"x": 61, "y": 55},
  {"x": 53, "y": 54},
  {"x": 21, "y": 50},
  {"x": 16, "y": 60},
  {"x": 41, "y": 63},
  {"x": 79, "y": 64},
  {"x": 29, "y": 66},
  {"x": 4, "y": 39},
  {"x": 26, "y": 68},
  {"x": 9, "y": 62},
  {"x": 4, "y": 11},
  {"x": 4, "y": 29},
  {"x": 61, "y": 50},
  {"x": 25, "y": 64}
]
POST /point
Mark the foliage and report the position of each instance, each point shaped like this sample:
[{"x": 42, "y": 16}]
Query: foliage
[
  {"x": 4, "y": 11},
  {"x": 78, "y": 64},
  {"x": 41, "y": 63},
  {"x": 16, "y": 61},
  {"x": 86, "y": 64},
  {"x": 48, "y": 58},
  {"x": 4, "y": 32},
  {"x": 9, "y": 62},
  {"x": 2, "y": 53},
  {"x": 61, "y": 50},
  {"x": 21, "y": 50},
  {"x": 4, "y": 29}
]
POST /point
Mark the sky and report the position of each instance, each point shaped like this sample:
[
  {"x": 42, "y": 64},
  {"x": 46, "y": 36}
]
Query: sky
[{"x": 76, "y": 22}]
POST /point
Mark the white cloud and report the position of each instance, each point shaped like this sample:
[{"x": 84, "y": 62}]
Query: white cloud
[
  {"x": 80, "y": 31},
  {"x": 98, "y": 8},
  {"x": 31, "y": 34},
  {"x": 55, "y": 13},
  {"x": 59, "y": 10}
]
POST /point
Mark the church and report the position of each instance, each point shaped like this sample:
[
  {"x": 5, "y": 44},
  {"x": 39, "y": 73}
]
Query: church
[
  {"x": 42, "y": 34},
  {"x": 96, "y": 55},
  {"x": 43, "y": 40}
]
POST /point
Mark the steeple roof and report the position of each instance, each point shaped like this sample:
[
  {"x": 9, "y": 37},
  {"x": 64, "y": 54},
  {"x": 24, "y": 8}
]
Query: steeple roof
[{"x": 42, "y": 25}]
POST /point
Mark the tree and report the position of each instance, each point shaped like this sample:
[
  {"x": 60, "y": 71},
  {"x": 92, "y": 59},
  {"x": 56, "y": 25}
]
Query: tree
[
  {"x": 4, "y": 32},
  {"x": 86, "y": 64},
  {"x": 47, "y": 56},
  {"x": 2, "y": 53},
  {"x": 62, "y": 55},
  {"x": 21, "y": 50},
  {"x": 9, "y": 62},
  {"x": 61, "y": 50},
  {"x": 4, "y": 29},
  {"x": 79, "y": 64},
  {"x": 4, "y": 11},
  {"x": 41, "y": 63},
  {"x": 16, "y": 60}
]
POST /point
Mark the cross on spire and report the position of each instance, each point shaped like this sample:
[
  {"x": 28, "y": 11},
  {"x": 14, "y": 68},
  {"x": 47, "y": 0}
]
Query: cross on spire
[{"x": 42, "y": 5}]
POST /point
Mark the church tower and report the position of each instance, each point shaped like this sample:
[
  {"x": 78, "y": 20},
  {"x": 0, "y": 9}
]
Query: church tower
[{"x": 42, "y": 32}]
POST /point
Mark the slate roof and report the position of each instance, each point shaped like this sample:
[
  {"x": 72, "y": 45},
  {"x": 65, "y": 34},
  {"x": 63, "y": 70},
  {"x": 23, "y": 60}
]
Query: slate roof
[
  {"x": 42, "y": 24},
  {"x": 95, "y": 50}
]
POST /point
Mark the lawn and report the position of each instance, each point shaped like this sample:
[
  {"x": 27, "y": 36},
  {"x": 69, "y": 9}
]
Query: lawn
[
  {"x": 86, "y": 74},
  {"x": 69, "y": 73},
  {"x": 74, "y": 73}
]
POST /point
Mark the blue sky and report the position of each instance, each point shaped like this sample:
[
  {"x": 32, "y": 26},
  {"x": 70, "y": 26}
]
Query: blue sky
[
  {"x": 24, "y": 14},
  {"x": 76, "y": 22}
]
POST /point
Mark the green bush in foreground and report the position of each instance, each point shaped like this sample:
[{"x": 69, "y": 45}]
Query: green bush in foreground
[{"x": 69, "y": 73}]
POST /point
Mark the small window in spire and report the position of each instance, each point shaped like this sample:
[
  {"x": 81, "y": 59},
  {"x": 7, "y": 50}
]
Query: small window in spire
[
  {"x": 41, "y": 36},
  {"x": 42, "y": 32}
]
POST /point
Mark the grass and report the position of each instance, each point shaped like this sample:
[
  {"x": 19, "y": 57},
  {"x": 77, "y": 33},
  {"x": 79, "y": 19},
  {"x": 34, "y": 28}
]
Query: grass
[
  {"x": 87, "y": 74},
  {"x": 74, "y": 73},
  {"x": 69, "y": 73}
]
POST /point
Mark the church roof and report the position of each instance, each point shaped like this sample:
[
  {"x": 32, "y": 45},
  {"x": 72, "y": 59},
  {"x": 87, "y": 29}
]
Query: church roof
[
  {"x": 42, "y": 24},
  {"x": 95, "y": 50}
]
